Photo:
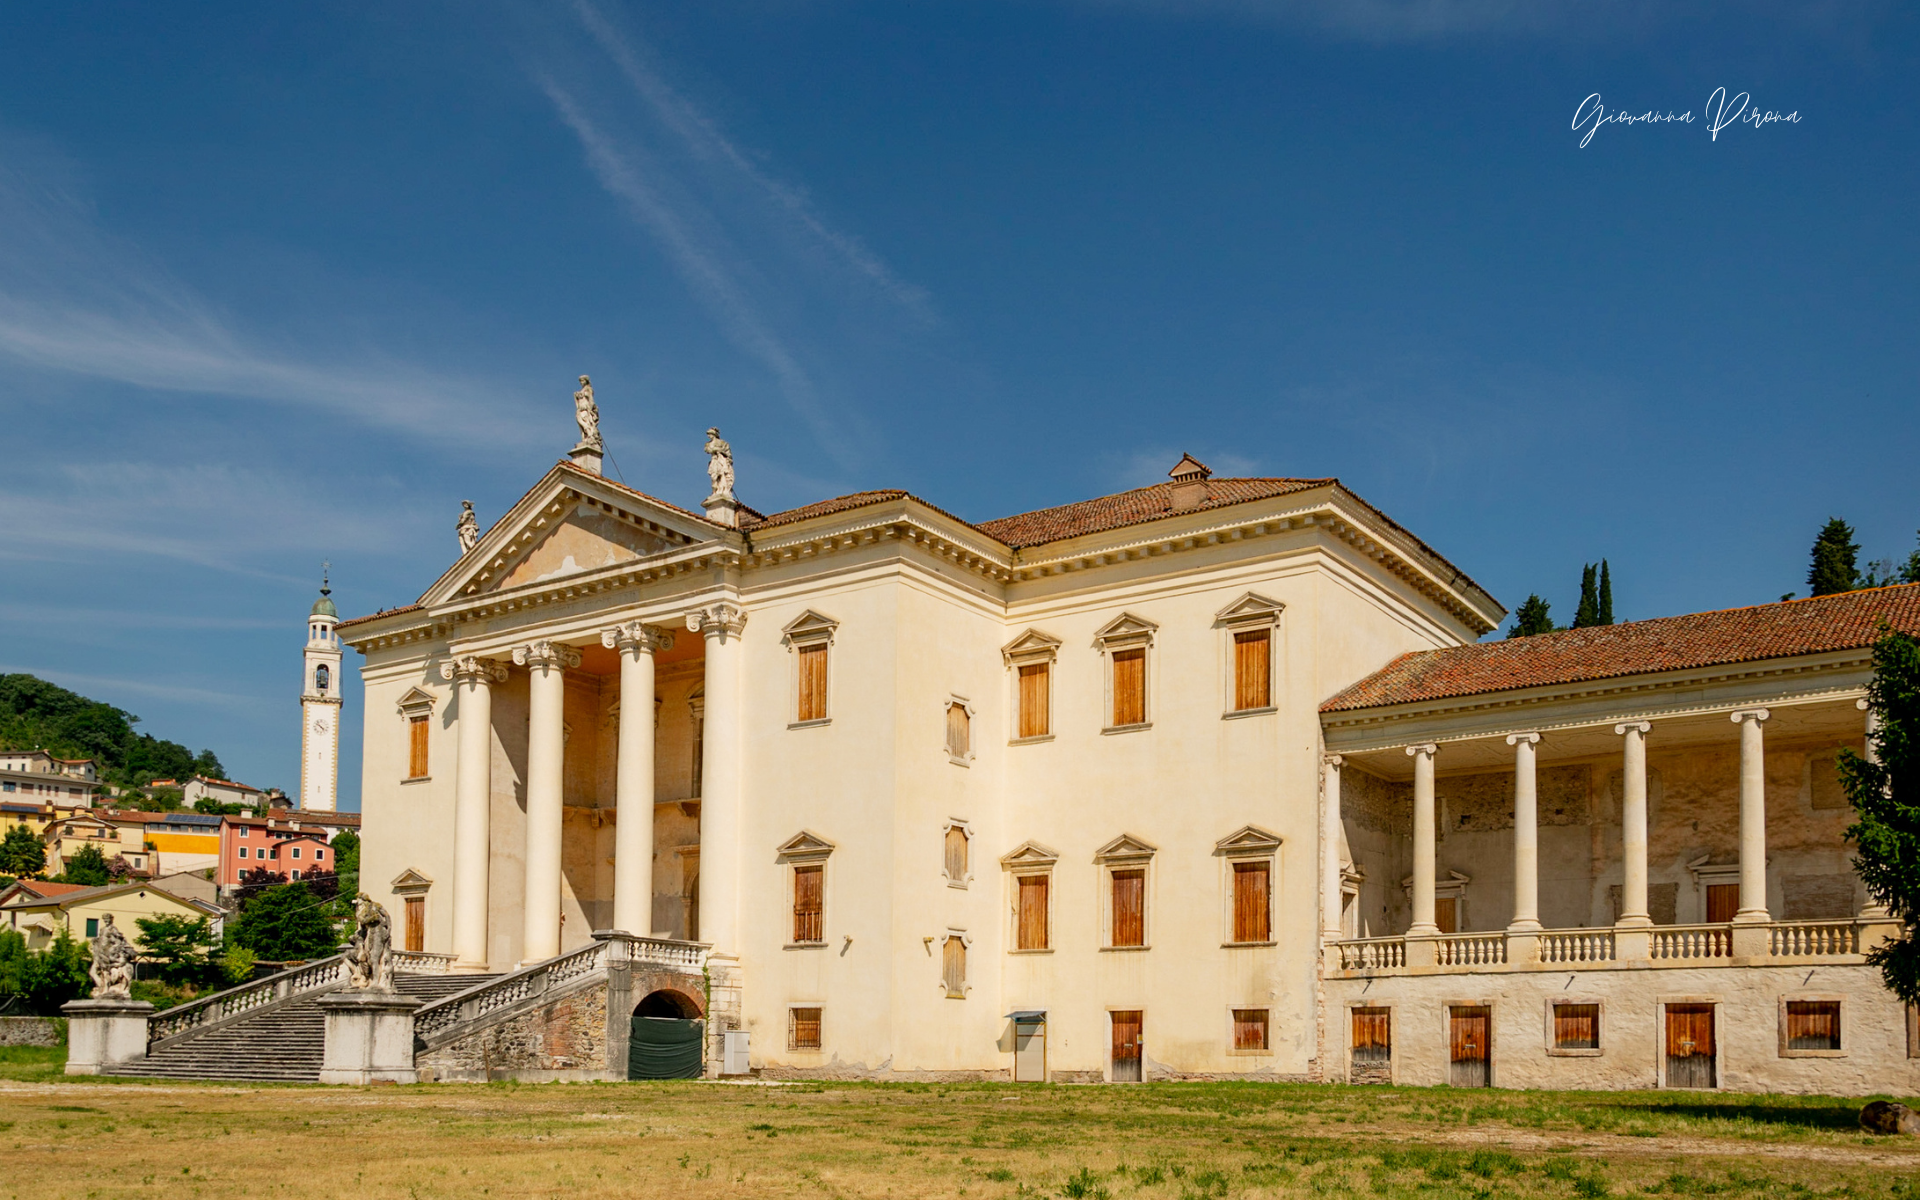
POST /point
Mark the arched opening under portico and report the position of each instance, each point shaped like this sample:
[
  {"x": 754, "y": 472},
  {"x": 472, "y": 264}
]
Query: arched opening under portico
[{"x": 668, "y": 1003}]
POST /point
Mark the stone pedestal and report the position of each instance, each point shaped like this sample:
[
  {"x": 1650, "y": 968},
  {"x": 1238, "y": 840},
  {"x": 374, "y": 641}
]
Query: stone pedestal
[
  {"x": 586, "y": 457},
  {"x": 722, "y": 510},
  {"x": 1423, "y": 950},
  {"x": 1751, "y": 939},
  {"x": 103, "y": 1032},
  {"x": 1632, "y": 943},
  {"x": 369, "y": 1037}
]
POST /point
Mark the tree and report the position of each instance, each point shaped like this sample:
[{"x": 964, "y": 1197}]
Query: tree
[
  {"x": 87, "y": 867},
  {"x": 1885, "y": 571},
  {"x": 253, "y": 883},
  {"x": 1588, "y": 612},
  {"x": 1606, "y": 594},
  {"x": 1531, "y": 618},
  {"x": 35, "y": 714},
  {"x": 285, "y": 923},
  {"x": 180, "y": 943},
  {"x": 236, "y": 965},
  {"x": 22, "y": 853},
  {"x": 1834, "y": 557},
  {"x": 346, "y": 862},
  {"x": 1886, "y": 803},
  {"x": 42, "y": 981}
]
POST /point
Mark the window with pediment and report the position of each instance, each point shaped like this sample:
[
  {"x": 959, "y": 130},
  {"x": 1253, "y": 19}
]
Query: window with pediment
[
  {"x": 810, "y": 637},
  {"x": 1250, "y": 627},
  {"x": 1030, "y": 660},
  {"x": 1125, "y": 644}
]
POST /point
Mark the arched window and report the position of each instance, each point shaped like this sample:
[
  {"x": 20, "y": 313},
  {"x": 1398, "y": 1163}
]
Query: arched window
[{"x": 321, "y": 677}]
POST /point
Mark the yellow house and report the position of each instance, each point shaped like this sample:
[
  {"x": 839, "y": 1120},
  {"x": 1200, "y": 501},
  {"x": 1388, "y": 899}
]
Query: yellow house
[
  {"x": 65, "y": 837},
  {"x": 39, "y": 910},
  {"x": 35, "y": 817}
]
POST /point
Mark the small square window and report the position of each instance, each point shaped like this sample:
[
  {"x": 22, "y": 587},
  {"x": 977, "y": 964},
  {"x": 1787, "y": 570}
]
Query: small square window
[
  {"x": 93, "y": 926},
  {"x": 1813, "y": 1024},
  {"x": 296, "y": 852},
  {"x": 1576, "y": 1026},
  {"x": 803, "y": 1029},
  {"x": 243, "y": 852},
  {"x": 1249, "y": 1029}
]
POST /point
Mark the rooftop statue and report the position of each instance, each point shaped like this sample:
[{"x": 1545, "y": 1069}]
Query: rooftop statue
[
  {"x": 370, "y": 949},
  {"x": 587, "y": 413},
  {"x": 113, "y": 958},
  {"x": 469, "y": 526},
  {"x": 719, "y": 466}
]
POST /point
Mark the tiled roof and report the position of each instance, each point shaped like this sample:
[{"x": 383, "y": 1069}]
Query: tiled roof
[
  {"x": 1847, "y": 621},
  {"x": 822, "y": 508},
  {"x": 1130, "y": 508},
  {"x": 385, "y": 612},
  {"x": 46, "y": 889}
]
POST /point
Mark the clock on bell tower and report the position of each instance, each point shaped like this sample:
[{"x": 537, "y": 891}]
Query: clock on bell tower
[{"x": 320, "y": 707}]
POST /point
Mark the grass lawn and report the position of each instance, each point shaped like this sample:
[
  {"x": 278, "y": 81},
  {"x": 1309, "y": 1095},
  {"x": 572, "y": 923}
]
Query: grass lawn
[{"x": 1178, "y": 1141}]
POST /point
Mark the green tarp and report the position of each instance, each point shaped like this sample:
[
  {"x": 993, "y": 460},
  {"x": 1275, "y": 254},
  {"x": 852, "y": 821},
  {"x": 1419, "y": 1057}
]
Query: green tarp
[{"x": 664, "y": 1048}]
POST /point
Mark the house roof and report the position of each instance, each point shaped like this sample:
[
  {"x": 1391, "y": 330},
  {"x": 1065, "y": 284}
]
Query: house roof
[
  {"x": 82, "y": 895},
  {"x": 1817, "y": 625},
  {"x": 45, "y": 889},
  {"x": 1134, "y": 507}
]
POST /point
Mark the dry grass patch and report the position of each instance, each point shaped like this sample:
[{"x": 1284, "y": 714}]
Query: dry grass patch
[{"x": 1171, "y": 1141}]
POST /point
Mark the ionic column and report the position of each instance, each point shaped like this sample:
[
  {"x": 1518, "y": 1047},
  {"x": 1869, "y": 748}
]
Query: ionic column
[
  {"x": 1423, "y": 848},
  {"x": 1753, "y": 817},
  {"x": 1526, "y": 835},
  {"x": 1330, "y": 860},
  {"x": 720, "y": 806},
  {"x": 473, "y": 680},
  {"x": 1633, "y": 825},
  {"x": 546, "y": 664},
  {"x": 633, "y": 777}
]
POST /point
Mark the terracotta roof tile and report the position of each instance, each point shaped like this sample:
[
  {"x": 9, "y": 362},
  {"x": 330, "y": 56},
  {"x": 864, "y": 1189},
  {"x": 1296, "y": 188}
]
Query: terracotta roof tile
[
  {"x": 1847, "y": 621},
  {"x": 1130, "y": 508},
  {"x": 822, "y": 508},
  {"x": 47, "y": 889}
]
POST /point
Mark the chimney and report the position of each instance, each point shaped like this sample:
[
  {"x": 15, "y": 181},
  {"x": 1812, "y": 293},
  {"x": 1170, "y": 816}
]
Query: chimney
[{"x": 1189, "y": 477}]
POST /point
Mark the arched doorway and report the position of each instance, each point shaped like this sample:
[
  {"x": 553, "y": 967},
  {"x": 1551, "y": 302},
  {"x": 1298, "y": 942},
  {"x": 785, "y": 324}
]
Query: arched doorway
[{"x": 664, "y": 1039}]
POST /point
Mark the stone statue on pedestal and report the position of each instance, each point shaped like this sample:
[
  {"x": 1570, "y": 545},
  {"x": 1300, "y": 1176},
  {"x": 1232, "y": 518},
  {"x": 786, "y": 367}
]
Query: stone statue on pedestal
[
  {"x": 587, "y": 414},
  {"x": 113, "y": 959},
  {"x": 370, "y": 949},
  {"x": 469, "y": 526},
  {"x": 719, "y": 466}
]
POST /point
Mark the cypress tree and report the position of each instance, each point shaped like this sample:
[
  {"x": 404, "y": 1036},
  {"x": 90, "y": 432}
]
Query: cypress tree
[
  {"x": 1531, "y": 618},
  {"x": 1606, "y": 595},
  {"x": 1834, "y": 566},
  {"x": 1589, "y": 611}
]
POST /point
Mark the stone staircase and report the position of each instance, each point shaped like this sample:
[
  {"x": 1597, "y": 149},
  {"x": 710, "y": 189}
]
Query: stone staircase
[{"x": 283, "y": 1043}]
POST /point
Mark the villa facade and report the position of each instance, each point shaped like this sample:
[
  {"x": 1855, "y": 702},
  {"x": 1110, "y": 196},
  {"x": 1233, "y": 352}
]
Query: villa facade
[{"x": 1209, "y": 778}]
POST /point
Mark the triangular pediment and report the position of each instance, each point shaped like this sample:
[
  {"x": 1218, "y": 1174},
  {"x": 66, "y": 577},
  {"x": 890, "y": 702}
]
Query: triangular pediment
[
  {"x": 1127, "y": 627},
  {"x": 1030, "y": 854},
  {"x": 408, "y": 881},
  {"x": 809, "y": 626},
  {"x": 1248, "y": 839},
  {"x": 1031, "y": 644},
  {"x": 1249, "y": 609},
  {"x": 804, "y": 845},
  {"x": 416, "y": 701},
  {"x": 1126, "y": 846},
  {"x": 571, "y": 522}
]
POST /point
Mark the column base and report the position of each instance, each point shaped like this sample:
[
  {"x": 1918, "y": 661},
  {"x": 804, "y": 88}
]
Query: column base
[
  {"x": 103, "y": 1032},
  {"x": 1632, "y": 943},
  {"x": 586, "y": 457},
  {"x": 1750, "y": 939},
  {"x": 369, "y": 1037},
  {"x": 1523, "y": 945},
  {"x": 1423, "y": 949}
]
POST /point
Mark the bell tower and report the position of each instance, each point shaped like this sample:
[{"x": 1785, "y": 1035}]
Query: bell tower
[{"x": 320, "y": 706}]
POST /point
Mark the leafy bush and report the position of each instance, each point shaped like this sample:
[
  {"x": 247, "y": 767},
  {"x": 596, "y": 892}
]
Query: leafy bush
[
  {"x": 22, "y": 852},
  {"x": 41, "y": 981},
  {"x": 179, "y": 943},
  {"x": 285, "y": 923},
  {"x": 236, "y": 965},
  {"x": 87, "y": 867}
]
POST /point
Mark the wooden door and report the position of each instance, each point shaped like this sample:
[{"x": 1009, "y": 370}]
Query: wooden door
[
  {"x": 1030, "y": 1052},
  {"x": 1690, "y": 1046},
  {"x": 1126, "y": 1047},
  {"x": 1446, "y": 914},
  {"x": 416, "y": 922},
  {"x": 1723, "y": 900},
  {"x": 1471, "y": 1030},
  {"x": 1372, "y": 1055}
]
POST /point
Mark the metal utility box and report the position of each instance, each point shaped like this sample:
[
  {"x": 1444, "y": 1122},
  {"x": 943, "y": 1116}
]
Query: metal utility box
[{"x": 734, "y": 1059}]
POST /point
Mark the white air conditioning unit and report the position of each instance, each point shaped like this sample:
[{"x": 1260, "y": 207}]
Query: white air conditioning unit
[{"x": 733, "y": 1053}]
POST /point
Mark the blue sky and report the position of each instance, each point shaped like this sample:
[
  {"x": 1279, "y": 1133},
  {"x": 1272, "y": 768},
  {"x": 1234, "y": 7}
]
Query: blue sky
[{"x": 287, "y": 284}]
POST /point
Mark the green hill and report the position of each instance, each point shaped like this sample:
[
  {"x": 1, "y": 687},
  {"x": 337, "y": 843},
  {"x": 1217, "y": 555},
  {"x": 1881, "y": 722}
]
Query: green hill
[{"x": 37, "y": 715}]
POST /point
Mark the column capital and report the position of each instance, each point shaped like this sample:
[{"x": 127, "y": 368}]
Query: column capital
[
  {"x": 546, "y": 654},
  {"x": 1531, "y": 739},
  {"x": 1643, "y": 728},
  {"x": 1426, "y": 748},
  {"x": 1336, "y": 761},
  {"x": 1749, "y": 714},
  {"x": 469, "y": 668},
  {"x": 1862, "y": 704},
  {"x": 722, "y": 620},
  {"x": 634, "y": 635}
]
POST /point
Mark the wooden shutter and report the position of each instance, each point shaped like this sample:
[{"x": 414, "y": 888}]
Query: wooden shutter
[
  {"x": 1252, "y": 662},
  {"x": 1372, "y": 1034},
  {"x": 1446, "y": 914},
  {"x": 1033, "y": 912},
  {"x": 1576, "y": 1027},
  {"x": 1129, "y": 687},
  {"x": 953, "y": 966},
  {"x": 806, "y": 904},
  {"x": 1813, "y": 1024},
  {"x": 813, "y": 682},
  {"x": 805, "y": 1028},
  {"x": 1250, "y": 894},
  {"x": 1249, "y": 1029},
  {"x": 959, "y": 731},
  {"x": 416, "y": 922},
  {"x": 1035, "y": 696},
  {"x": 1125, "y": 1045},
  {"x": 1130, "y": 907},
  {"x": 957, "y": 854},
  {"x": 1723, "y": 900},
  {"x": 416, "y": 747}
]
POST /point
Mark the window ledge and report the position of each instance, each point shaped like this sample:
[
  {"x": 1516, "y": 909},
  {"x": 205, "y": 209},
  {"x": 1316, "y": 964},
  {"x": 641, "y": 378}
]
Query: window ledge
[
  {"x": 960, "y": 762},
  {"x": 960, "y": 883},
  {"x": 1250, "y": 1054},
  {"x": 1042, "y": 950},
  {"x": 1813, "y": 1054},
  {"x": 816, "y": 723},
  {"x": 1028, "y": 741},
  {"x": 1237, "y": 713},
  {"x": 1574, "y": 1052},
  {"x": 1123, "y": 949},
  {"x": 1134, "y": 728},
  {"x": 1245, "y": 945},
  {"x": 417, "y": 779},
  {"x": 805, "y": 946}
]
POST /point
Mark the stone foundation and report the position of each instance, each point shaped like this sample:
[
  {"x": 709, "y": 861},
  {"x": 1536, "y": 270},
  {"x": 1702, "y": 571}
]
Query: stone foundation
[{"x": 562, "y": 1038}]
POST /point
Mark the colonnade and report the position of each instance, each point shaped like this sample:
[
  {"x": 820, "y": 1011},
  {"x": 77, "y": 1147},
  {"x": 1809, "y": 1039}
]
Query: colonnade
[
  {"x": 1634, "y": 914},
  {"x": 546, "y": 663}
]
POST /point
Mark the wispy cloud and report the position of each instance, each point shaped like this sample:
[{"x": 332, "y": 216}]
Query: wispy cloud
[
  {"x": 78, "y": 300},
  {"x": 52, "y": 614},
  {"x": 172, "y": 693}
]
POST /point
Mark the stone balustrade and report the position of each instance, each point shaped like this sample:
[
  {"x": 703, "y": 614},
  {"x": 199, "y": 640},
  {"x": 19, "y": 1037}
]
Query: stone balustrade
[{"x": 1771, "y": 943}]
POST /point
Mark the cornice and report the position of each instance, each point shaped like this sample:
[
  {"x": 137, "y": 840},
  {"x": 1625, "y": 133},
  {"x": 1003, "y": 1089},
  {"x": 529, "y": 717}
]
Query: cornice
[{"x": 908, "y": 529}]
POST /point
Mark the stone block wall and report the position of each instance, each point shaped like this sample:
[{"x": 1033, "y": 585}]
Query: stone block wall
[
  {"x": 32, "y": 1031},
  {"x": 560, "y": 1038}
]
